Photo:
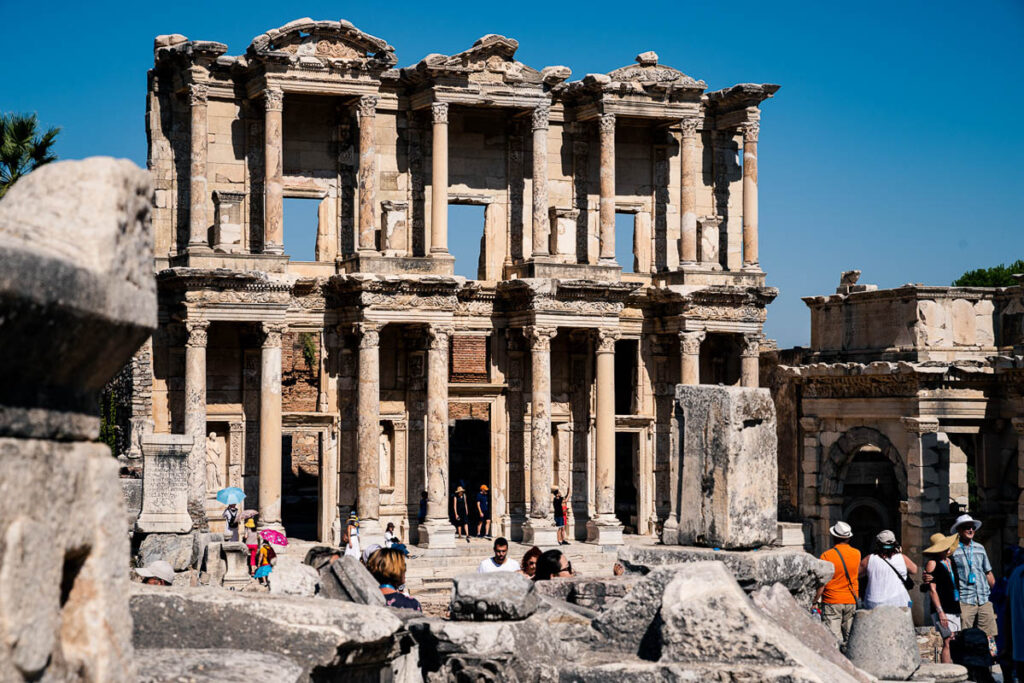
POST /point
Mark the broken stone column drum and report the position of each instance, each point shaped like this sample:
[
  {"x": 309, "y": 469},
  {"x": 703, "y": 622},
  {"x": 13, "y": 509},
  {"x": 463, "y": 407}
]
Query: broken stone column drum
[
  {"x": 78, "y": 298},
  {"x": 725, "y": 466}
]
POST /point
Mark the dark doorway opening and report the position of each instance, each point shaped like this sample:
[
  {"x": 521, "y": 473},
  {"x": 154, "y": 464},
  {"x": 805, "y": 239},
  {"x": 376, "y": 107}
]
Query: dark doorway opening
[
  {"x": 625, "y": 479},
  {"x": 300, "y": 485},
  {"x": 469, "y": 462},
  {"x": 625, "y": 376},
  {"x": 871, "y": 497},
  {"x": 720, "y": 359}
]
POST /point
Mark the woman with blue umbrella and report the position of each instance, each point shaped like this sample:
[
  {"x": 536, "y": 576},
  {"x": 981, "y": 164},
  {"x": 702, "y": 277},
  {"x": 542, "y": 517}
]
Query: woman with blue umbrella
[{"x": 231, "y": 496}]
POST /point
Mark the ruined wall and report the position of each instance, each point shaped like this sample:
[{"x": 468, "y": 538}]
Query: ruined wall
[{"x": 300, "y": 371}]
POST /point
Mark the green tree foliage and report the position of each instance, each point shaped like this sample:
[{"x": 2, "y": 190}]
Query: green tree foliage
[
  {"x": 996, "y": 276},
  {"x": 22, "y": 147}
]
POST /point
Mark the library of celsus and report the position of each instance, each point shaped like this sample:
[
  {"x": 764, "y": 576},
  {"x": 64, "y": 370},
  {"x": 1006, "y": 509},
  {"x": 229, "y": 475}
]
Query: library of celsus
[{"x": 370, "y": 374}]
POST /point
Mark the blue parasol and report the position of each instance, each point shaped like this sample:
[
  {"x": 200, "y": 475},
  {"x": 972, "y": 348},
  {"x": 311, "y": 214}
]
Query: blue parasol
[{"x": 231, "y": 494}]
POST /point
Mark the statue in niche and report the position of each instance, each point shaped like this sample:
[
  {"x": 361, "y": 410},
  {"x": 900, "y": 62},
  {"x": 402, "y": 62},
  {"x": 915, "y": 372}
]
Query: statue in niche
[
  {"x": 214, "y": 464},
  {"x": 385, "y": 458}
]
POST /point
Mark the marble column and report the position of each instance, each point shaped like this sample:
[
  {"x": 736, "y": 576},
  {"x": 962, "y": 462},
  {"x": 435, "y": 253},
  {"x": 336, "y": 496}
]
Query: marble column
[
  {"x": 605, "y": 528},
  {"x": 198, "y": 194},
  {"x": 541, "y": 221},
  {"x": 270, "y": 427},
  {"x": 195, "y": 418},
  {"x": 439, "y": 180},
  {"x": 688, "y": 198},
  {"x": 924, "y": 505},
  {"x": 1018, "y": 426},
  {"x": 367, "y": 175},
  {"x": 539, "y": 528},
  {"x": 750, "y": 132},
  {"x": 273, "y": 205},
  {"x": 437, "y": 532},
  {"x": 606, "y": 126},
  {"x": 750, "y": 361},
  {"x": 368, "y": 434},
  {"x": 689, "y": 358}
]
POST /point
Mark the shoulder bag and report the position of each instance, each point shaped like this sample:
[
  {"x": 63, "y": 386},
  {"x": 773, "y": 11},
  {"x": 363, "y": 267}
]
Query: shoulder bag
[
  {"x": 908, "y": 582},
  {"x": 856, "y": 598}
]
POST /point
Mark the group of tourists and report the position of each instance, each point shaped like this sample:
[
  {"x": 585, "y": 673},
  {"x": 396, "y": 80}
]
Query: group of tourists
[
  {"x": 536, "y": 564},
  {"x": 463, "y": 512},
  {"x": 957, "y": 581}
]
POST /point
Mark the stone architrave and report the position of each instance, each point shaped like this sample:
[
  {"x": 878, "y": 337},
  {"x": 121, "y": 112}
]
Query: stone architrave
[
  {"x": 198, "y": 224},
  {"x": 605, "y": 528},
  {"x": 165, "y": 486},
  {"x": 750, "y": 133},
  {"x": 367, "y": 175},
  {"x": 727, "y": 477},
  {"x": 541, "y": 224},
  {"x": 437, "y": 532},
  {"x": 606, "y": 127},
  {"x": 273, "y": 208},
  {"x": 539, "y": 528}
]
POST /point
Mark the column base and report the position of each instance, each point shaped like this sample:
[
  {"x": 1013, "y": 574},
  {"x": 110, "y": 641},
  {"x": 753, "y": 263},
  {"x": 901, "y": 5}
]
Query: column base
[
  {"x": 437, "y": 534},
  {"x": 670, "y": 532},
  {"x": 604, "y": 531},
  {"x": 198, "y": 248},
  {"x": 370, "y": 532},
  {"x": 752, "y": 268},
  {"x": 273, "y": 249},
  {"x": 541, "y": 533}
]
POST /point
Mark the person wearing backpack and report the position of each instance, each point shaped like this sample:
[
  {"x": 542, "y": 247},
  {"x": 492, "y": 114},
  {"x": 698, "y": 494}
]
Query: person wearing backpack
[
  {"x": 838, "y": 598},
  {"x": 888, "y": 573}
]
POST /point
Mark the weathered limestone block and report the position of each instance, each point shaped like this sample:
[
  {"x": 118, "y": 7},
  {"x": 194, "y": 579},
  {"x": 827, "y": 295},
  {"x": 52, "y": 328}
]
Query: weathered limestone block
[
  {"x": 498, "y": 596},
  {"x": 801, "y": 573},
  {"x": 328, "y": 636},
  {"x": 236, "y": 564},
  {"x": 940, "y": 673},
  {"x": 172, "y": 665},
  {"x": 882, "y": 642},
  {"x": 729, "y": 470},
  {"x": 228, "y": 220},
  {"x": 165, "y": 484},
  {"x": 347, "y": 579},
  {"x": 591, "y": 593},
  {"x": 78, "y": 298},
  {"x": 291, "y": 577},
  {"x": 176, "y": 549}
]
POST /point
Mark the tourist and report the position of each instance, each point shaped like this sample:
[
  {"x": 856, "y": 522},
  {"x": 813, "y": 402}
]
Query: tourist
[
  {"x": 231, "y": 518},
  {"x": 1013, "y": 557},
  {"x": 158, "y": 573},
  {"x": 350, "y": 539},
  {"x": 888, "y": 573},
  {"x": 941, "y": 588},
  {"x": 387, "y": 566},
  {"x": 553, "y": 564},
  {"x": 389, "y": 535},
  {"x": 264, "y": 562},
  {"x": 369, "y": 551},
  {"x": 1015, "y": 621},
  {"x": 528, "y": 566},
  {"x": 974, "y": 579},
  {"x": 422, "y": 516},
  {"x": 252, "y": 541},
  {"x": 838, "y": 598},
  {"x": 500, "y": 562},
  {"x": 460, "y": 513},
  {"x": 558, "y": 505},
  {"x": 483, "y": 513}
]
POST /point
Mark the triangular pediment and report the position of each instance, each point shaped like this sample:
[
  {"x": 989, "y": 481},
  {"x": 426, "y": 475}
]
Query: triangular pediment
[
  {"x": 491, "y": 59},
  {"x": 326, "y": 40}
]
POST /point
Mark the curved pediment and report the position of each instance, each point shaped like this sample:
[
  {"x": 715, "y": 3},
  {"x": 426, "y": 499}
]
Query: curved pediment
[
  {"x": 491, "y": 59},
  {"x": 647, "y": 71},
  {"x": 325, "y": 40}
]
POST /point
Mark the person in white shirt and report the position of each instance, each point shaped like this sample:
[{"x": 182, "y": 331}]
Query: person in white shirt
[
  {"x": 887, "y": 571},
  {"x": 500, "y": 561}
]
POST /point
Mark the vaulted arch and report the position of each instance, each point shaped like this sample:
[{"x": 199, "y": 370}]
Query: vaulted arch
[{"x": 834, "y": 468}]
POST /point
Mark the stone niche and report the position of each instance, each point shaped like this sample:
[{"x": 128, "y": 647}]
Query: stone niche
[
  {"x": 725, "y": 467},
  {"x": 228, "y": 219}
]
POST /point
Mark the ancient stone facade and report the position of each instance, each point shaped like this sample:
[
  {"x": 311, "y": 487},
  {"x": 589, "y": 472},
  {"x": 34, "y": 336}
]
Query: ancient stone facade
[
  {"x": 371, "y": 374},
  {"x": 903, "y": 413}
]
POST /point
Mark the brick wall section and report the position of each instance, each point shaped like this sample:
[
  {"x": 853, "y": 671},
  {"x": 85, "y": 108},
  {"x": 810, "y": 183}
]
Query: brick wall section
[
  {"x": 468, "y": 411},
  {"x": 468, "y": 359},
  {"x": 306, "y": 453},
  {"x": 300, "y": 385}
]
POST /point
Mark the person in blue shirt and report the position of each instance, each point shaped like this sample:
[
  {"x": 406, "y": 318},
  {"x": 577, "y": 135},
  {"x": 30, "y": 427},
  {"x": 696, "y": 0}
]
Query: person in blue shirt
[
  {"x": 974, "y": 578},
  {"x": 483, "y": 511}
]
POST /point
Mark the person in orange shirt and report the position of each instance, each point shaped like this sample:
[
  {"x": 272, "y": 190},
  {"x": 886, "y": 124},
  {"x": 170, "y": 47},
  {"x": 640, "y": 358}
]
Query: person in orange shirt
[{"x": 839, "y": 597}]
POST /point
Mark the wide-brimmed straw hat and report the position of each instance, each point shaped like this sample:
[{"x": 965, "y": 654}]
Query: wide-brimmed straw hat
[
  {"x": 160, "y": 569},
  {"x": 964, "y": 519},
  {"x": 940, "y": 543},
  {"x": 841, "y": 530},
  {"x": 459, "y": 489}
]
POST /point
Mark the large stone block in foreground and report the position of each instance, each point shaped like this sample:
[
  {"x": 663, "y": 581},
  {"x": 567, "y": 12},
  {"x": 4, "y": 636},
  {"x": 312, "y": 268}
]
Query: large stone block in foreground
[{"x": 725, "y": 469}]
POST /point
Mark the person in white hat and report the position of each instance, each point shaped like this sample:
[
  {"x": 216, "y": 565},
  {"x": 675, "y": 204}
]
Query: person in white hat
[
  {"x": 974, "y": 578},
  {"x": 887, "y": 570},
  {"x": 159, "y": 573},
  {"x": 837, "y": 599}
]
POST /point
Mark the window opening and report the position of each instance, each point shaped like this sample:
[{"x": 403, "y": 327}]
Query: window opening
[
  {"x": 466, "y": 239},
  {"x": 625, "y": 225},
  {"x": 301, "y": 222}
]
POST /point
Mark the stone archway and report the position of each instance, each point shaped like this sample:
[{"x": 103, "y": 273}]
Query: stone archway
[{"x": 834, "y": 468}]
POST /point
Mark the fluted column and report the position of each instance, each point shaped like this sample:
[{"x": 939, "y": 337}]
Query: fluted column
[
  {"x": 539, "y": 528},
  {"x": 198, "y": 194},
  {"x": 750, "y": 132},
  {"x": 688, "y": 200},
  {"x": 750, "y": 360},
  {"x": 605, "y": 529},
  {"x": 367, "y": 175},
  {"x": 607, "y": 207},
  {"x": 368, "y": 433},
  {"x": 195, "y": 417},
  {"x": 273, "y": 203},
  {"x": 270, "y": 426},
  {"x": 689, "y": 358},
  {"x": 541, "y": 221},
  {"x": 439, "y": 180},
  {"x": 437, "y": 532}
]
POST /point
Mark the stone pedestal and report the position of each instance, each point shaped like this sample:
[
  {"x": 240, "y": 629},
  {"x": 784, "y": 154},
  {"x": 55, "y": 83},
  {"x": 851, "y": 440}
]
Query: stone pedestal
[
  {"x": 236, "y": 556},
  {"x": 436, "y": 534},
  {"x": 165, "y": 484},
  {"x": 541, "y": 533},
  {"x": 604, "y": 530}
]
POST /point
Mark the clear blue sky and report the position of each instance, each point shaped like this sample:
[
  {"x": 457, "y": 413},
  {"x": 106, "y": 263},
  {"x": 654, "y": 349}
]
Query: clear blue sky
[{"x": 894, "y": 145}]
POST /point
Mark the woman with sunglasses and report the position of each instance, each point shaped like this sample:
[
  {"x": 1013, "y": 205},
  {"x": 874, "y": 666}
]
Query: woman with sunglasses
[{"x": 553, "y": 564}]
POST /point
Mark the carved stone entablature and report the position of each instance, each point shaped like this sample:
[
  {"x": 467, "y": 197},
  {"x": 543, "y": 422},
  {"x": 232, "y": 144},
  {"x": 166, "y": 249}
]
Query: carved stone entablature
[
  {"x": 583, "y": 297},
  {"x": 741, "y": 96},
  {"x": 325, "y": 41},
  {"x": 747, "y": 304},
  {"x": 437, "y": 293},
  {"x": 920, "y": 425},
  {"x": 861, "y": 386},
  {"x": 475, "y": 301},
  {"x": 210, "y": 287},
  {"x": 490, "y": 62}
]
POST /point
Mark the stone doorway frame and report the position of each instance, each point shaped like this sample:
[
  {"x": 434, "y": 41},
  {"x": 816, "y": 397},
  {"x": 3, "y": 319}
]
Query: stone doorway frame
[{"x": 327, "y": 518}]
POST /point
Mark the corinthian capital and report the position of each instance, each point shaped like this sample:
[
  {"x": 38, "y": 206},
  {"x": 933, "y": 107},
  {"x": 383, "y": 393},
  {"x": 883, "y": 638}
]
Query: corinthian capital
[
  {"x": 438, "y": 337},
  {"x": 196, "y": 333},
  {"x": 606, "y": 340},
  {"x": 690, "y": 341},
  {"x": 540, "y": 337},
  {"x": 751, "y": 131},
  {"x": 272, "y": 335},
  {"x": 274, "y": 99},
  {"x": 690, "y": 125},
  {"x": 197, "y": 94},
  {"x": 751, "y": 345},
  {"x": 607, "y": 124},
  {"x": 368, "y": 106},
  {"x": 920, "y": 425},
  {"x": 439, "y": 112},
  {"x": 369, "y": 335},
  {"x": 539, "y": 117}
]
